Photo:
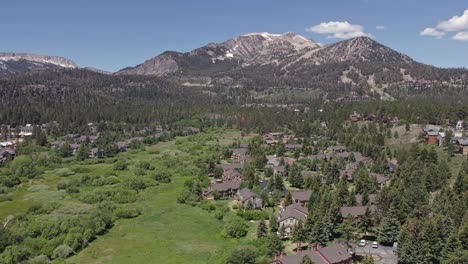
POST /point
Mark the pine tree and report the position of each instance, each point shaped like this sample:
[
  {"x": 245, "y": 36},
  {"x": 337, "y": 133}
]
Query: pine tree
[
  {"x": 275, "y": 245},
  {"x": 365, "y": 223},
  {"x": 368, "y": 259},
  {"x": 262, "y": 229},
  {"x": 306, "y": 260},
  {"x": 389, "y": 229},
  {"x": 298, "y": 234},
  {"x": 82, "y": 152},
  {"x": 288, "y": 200},
  {"x": 281, "y": 232},
  {"x": 412, "y": 248},
  {"x": 273, "y": 223}
]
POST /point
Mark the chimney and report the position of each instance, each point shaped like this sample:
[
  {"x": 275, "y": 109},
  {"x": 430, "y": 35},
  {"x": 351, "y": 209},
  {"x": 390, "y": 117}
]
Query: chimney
[{"x": 314, "y": 246}]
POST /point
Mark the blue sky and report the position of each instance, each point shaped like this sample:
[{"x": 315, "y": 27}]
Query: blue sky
[{"x": 111, "y": 35}]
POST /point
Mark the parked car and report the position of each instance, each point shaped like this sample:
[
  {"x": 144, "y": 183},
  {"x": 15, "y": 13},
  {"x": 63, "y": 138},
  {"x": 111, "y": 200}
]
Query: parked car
[
  {"x": 375, "y": 244},
  {"x": 362, "y": 243}
]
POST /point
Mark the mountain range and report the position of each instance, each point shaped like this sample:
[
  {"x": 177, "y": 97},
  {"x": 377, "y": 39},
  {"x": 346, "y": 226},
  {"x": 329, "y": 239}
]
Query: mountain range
[
  {"x": 276, "y": 60},
  {"x": 280, "y": 50}
]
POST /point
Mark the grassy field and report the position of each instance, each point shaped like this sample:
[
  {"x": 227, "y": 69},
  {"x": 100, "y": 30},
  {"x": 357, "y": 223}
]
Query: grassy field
[{"x": 166, "y": 232}]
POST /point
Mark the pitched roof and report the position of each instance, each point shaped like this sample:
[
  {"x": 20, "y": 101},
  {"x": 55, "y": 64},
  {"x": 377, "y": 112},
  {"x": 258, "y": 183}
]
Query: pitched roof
[
  {"x": 379, "y": 178},
  {"x": 245, "y": 194},
  {"x": 429, "y": 128},
  {"x": 302, "y": 195},
  {"x": 223, "y": 186},
  {"x": 232, "y": 174},
  {"x": 335, "y": 253},
  {"x": 295, "y": 211},
  {"x": 279, "y": 169},
  {"x": 5, "y": 151},
  {"x": 231, "y": 166},
  {"x": 293, "y": 146},
  {"x": 354, "y": 211},
  {"x": 289, "y": 161},
  {"x": 239, "y": 151},
  {"x": 343, "y": 155},
  {"x": 338, "y": 148}
]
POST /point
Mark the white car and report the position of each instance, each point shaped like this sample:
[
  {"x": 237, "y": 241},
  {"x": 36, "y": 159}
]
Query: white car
[
  {"x": 362, "y": 243},
  {"x": 375, "y": 244}
]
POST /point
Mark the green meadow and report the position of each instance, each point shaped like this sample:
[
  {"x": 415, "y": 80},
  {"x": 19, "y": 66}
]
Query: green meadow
[{"x": 165, "y": 231}]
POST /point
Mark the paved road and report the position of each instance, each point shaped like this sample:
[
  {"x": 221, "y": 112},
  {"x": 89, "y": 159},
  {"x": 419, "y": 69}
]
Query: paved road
[{"x": 385, "y": 254}]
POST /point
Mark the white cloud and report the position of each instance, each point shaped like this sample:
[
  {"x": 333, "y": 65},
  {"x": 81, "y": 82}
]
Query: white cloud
[
  {"x": 432, "y": 32},
  {"x": 456, "y": 23},
  {"x": 338, "y": 29},
  {"x": 461, "y": 36},
  {"x": 380, "y": 27}
]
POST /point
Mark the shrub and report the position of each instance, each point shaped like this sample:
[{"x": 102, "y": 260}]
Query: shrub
[
  {"x": 64, "y": 172},
  {"x": 163, "y": 177},
  {"x": 219, "y": 214},
  {"x": 111, "y": 180},
  {"x": 243, "y": 255},
  {"x": 82, "y": 169},
  {"x": 235, "y": 228},
  {"x": 253, "y": 215},
  {"x": 140, "y": 172},
  {"x": 38, "y": 208},
  {"x": 216, "y": 195},
  {"x": 62, "y": 251},
  {"x": 208, "y": 206},
  {"x": 5, "y": 197},
  {"x": 120, "y": 165},
  {"x": 62, "y": 185},
  {"x": 127, "y": 212},
  {"x": 72, "y": 189},
  {"x": 145, "y": 165},
  {"x": 134, "y": 183},
  {"x": 123, "y": 196},
  {"x": 41, "y": 259}
]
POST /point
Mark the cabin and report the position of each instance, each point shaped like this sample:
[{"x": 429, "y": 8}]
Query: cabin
[
  {"x": 355, "y": 117},
  {"x": 290, "y": 216},
  {"x": 338, "y": 149},
  {"x": 7, "y": 154},
  {"x": 280, "y": 170},
  {"x": 239, "y": 154},
  {"x": 248, "y": 198},
  {"x": 293, "y": 147},
  {"x": 301, "y": 197},
  {"x": 225, "y": 189},
  {"x": 332, "y": 254},
  {"x": 188, "y": 131},
  {"x": 348, "y": 174},
  {"x": 431, "y": 134},
  {"x": 232, "y": 175},
  {"x": 272, "y": 160},
  {"x": 381, "y": 180}
]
